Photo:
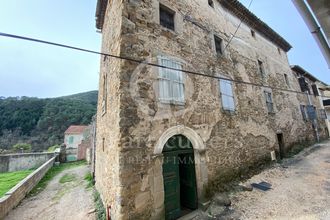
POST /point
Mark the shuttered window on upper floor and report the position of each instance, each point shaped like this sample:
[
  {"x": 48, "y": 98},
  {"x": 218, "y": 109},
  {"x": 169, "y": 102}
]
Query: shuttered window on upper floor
[
  {"x": 227, "y": 95},
  {"x": 171, "y": 82}
]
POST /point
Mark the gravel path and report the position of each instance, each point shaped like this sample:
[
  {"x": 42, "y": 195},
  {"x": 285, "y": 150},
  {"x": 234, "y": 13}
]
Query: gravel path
[
  {"x": 59, "y": 201},
  {"x": 300, "y": 189}
]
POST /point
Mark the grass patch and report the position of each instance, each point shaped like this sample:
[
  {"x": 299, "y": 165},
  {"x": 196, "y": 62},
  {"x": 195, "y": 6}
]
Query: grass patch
[
  {"x": 89, "y": 178},
  {"x": 100, "y": 210},
  {"x": 52, "y": 172},
  {"x": 9, "y": 180},
  {"x": 69, "y": 177}
]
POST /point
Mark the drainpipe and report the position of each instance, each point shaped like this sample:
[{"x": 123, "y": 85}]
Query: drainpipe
[
  {"x": 314, "y": 28},
  {"x": 314, "y": 122}
]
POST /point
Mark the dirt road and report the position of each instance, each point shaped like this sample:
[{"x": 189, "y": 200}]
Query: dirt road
[
  {"x": 59, "y": 201},
  {"x": 300, "y": 189}
]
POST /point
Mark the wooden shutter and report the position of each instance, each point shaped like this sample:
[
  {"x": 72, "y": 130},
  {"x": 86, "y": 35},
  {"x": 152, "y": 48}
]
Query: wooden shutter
[{"x": 315, "y": 90}]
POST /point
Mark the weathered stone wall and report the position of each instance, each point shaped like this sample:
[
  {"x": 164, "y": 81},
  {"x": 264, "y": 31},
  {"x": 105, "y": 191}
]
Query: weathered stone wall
[
  {"x": 14, "y": 196},
  {"x": 107, "y": 128},
  {"x": 128, "y": 172},
  {"x": 24, "y": 161}
]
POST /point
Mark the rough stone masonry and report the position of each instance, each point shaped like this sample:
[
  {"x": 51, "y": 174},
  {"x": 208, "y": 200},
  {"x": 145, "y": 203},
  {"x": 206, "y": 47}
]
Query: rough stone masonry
[{"x": 230, "y": 125}]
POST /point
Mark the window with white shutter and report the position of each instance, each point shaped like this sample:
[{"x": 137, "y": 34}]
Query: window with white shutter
[
  {"x": 269, "y": 102},
  {"x": 171, "y": 82},
  {"x": 227, "y": 96}
]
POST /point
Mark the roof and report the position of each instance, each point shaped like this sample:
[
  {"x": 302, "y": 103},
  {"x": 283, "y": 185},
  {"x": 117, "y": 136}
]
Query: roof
[
  {"x": 238, "y": 9},
  {"x": 302, "y": 71},
  {"x": 100, "y": 13},
  {"x": 75, "y": 129}
]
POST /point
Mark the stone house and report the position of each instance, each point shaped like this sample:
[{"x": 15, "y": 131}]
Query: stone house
[
  {"x": 221, "y": 100},
  {"x": 73, "y": 137}
]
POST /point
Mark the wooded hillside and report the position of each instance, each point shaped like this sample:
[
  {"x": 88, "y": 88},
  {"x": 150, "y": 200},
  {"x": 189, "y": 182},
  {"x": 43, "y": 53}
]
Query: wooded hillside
[{"x": 42, "y": 122}]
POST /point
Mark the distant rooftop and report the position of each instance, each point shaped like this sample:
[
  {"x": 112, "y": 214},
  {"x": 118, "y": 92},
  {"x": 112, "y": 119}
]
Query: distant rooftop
[
  {"x": 234, "y": 6},
  {"x": 75, "y": 129}
]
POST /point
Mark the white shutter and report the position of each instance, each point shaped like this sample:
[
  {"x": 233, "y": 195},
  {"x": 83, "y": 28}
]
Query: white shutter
[
  {"x": 171, "y": 85},
  {"x": 227, "y": 96}
]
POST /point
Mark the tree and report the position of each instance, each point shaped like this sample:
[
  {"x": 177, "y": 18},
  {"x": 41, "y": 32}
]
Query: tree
[{"x": 22, "y": 147}]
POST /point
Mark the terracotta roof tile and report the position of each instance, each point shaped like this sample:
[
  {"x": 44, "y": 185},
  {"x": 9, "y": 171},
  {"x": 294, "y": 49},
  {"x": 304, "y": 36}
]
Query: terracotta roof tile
[{"x": 75, "y": 129}]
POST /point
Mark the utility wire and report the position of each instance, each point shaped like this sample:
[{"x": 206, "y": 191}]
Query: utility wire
[
  {"x": 237, "y": 28},
  {"x": 148, "y": 63}
]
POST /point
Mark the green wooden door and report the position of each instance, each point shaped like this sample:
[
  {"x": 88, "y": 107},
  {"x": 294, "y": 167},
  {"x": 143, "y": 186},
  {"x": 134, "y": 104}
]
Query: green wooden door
[
  {"x": 171, "y": 186},
  {"x": 188, "y": 192}
]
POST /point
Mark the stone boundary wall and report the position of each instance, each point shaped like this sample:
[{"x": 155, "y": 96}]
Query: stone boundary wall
[
  {"x": 23, "y": 161},
  {"x": 14, "y": 196}
]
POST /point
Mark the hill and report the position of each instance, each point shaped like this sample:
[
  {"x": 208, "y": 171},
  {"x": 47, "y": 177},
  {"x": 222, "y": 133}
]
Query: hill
[{"x": 42, "y": 122}]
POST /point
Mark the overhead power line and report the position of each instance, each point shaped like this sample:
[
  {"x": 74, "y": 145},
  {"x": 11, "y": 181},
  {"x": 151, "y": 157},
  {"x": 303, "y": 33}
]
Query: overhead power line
[{"x": 147, "y": 63}]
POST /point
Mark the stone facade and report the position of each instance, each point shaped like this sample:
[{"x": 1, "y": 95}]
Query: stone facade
[{"x": 133, "y": 125}]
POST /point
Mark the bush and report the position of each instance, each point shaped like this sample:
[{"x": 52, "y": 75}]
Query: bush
[{"x": 22, "y": 147}]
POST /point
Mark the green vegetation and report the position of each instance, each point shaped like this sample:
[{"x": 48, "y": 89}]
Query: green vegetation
[
  {"x": 100, "y": 210},
  {"x": 9, "y": 180},
  {"x": 22, "y": 147},
  {"x": 53, "y": 148},
  {"x": 52, "y": 172},
  {"x": 69, "y": 177},
  {"x": 42, "y": 122},
  {"x": 89, "y": 179}
]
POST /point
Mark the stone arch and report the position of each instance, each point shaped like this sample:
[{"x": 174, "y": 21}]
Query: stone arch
[
  {"x": 195, "y": 139},
  {"x": 200, "y": 164}
]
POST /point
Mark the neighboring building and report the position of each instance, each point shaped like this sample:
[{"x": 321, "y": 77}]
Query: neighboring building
[
  {"x": 73, "y": 137},
  {"x": 150, "y": 119},
  {"x": 311, "y": 106}
]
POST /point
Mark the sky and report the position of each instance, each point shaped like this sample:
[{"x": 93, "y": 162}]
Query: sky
[{"x": 31, "y": 69}]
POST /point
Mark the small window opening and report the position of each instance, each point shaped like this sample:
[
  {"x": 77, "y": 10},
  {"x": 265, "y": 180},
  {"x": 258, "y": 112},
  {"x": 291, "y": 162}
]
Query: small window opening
[
  {"x": 279, "y": 50},
  {"x": 286, "y": 80},
  {"x": 218, "y": 45},
  {"x": 166, "y": 17},
  {"x": 261, "y": 67},
  {"x": 253, "y": 33},
  {"x": 211, "y": 3},
  {"x": 103, "y": 140}
]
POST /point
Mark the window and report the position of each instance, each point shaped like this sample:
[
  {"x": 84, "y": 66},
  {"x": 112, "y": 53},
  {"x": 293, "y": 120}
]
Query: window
[
  {"x": 218, "y": 45},
  {"x": 70, "y": 140},
  {"x": 315, "y": 90},
  {"x": 279, "y": 51},
  {"x": 227, "y": 97},
  {"x": 303, "y": 84},
  {"x": 166, "y": 17},
  {"x": 253, "y": 33},
  {"x": 211, "y": 3},
  {"x": 261, "y": 67},
  {"x": 303, "y": 112},
  {"x": 322, "y": 114},
  {"x": 269, "y": 102},
  {"x": 286, "y": 80},
  {"x": 171, "y": 82}
]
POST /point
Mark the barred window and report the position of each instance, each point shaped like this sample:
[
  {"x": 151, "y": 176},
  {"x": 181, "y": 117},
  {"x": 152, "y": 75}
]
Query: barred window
[
  {"x": 171, "y": 82},
  {"x": 269, "y": 102},
  {"x": 227, "y": 96}
]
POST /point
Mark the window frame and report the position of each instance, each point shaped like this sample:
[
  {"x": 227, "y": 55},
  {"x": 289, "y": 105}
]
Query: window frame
[
  {"x": 162, "y": 21},
  {"x": 70, "y": 139},
  {"x": 261, "y": 68},
  {"x": 286, "y": 78},
  {"x": 304, "y": 112},
  {"x": 218, "y": 40},
  {"x": 180, "y": 81},
  {"x": 269, "y": 103},
  {"x": 223, "y": 94}
]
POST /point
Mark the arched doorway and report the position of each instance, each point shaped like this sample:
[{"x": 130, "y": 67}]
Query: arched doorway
[{"x": 179, "y": 177}]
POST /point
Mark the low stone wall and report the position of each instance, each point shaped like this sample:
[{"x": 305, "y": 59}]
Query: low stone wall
[
  {"x": 13, "y": 197},
  {"x": 23, "y": 161}
]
